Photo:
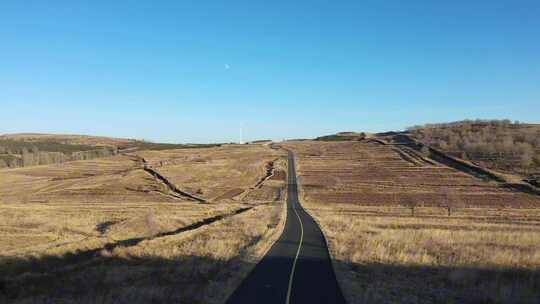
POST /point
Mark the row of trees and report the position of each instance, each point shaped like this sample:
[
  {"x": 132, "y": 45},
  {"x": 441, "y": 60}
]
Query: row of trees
[
  {"x": 33, "y": 156},
  {"x": 46, "y": 158},
  {"x": 468, "y": 122},
  {"x": 10, "y": 161},
  {"x": 501, "y": 144},
  {"x": 10, "y": 146},
  {"x": 448, "y": 200}
]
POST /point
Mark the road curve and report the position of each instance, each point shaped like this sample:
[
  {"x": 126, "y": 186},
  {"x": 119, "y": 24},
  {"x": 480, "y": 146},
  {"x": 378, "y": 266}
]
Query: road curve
[{"x": 297, "y": 268}]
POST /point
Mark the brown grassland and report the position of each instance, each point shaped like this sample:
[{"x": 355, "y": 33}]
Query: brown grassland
[
  {"x": 401, "y": 228},
  {"x": 108, "y": 231},
  {"x": 409, "y": 230}
]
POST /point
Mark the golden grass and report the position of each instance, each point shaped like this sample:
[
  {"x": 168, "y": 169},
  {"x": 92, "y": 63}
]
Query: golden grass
[
  {"x": 384, "y": 255},
  {"x": 238, "y": 242},
  {"x": 467, "y": 238},
  {"x": 212, "y": 172},
  {"x": 199, "y": 266},
  {"x": 105, "y": 229},
  {"x": 487, "y": 251},
  {"x": 370, "y": 174},
  {"x": 43, "y": 228}
]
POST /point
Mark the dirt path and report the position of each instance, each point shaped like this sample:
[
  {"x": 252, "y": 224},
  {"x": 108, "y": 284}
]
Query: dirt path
[
  {"x": 172, "y": 188},
  {"x": 268, "y": 175}
]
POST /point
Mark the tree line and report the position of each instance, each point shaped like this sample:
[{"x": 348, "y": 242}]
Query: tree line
[
  {"x": 500, "y": 144},
  {"x": 21, "y": 154}
]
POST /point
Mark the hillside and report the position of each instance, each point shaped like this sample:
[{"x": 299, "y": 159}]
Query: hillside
[
  {"x": 403, "y": 228},
  {"x": 496, "y": 144},
  {"x": 113, "y": 229},
  {"x": 30, "y": 149},
  {"x": 342, "y": 136},
  {"x": 68, "y": 139},
  {"x": 511, "y": 148}
]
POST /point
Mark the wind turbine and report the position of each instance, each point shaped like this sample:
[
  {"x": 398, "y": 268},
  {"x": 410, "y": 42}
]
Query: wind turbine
[{"x": 242, "y": 134}]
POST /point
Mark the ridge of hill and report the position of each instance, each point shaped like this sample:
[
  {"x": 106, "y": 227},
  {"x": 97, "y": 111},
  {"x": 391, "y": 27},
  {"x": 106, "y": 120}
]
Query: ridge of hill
[{"x": 30, "y": 149}]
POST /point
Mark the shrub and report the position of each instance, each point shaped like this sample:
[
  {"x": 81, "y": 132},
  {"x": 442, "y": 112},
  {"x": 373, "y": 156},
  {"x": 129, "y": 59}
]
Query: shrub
[{"x": 497, "y": 143}]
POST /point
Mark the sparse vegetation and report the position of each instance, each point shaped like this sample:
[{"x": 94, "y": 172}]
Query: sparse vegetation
[
  {"x": 10, "y": 146},
  {"x": 214, "y": 171},
  {"x": 401, "y": 228},
  {"x": 479, "y": 255},
  {"x": 20, "y": 153},
  {"x": 418, "y": 232},
  {"x": 344, "y": 136},
  {"x": 496, "y": 144},
  {"x": 145, "y": 145},
  {"x": 197, "y": 266},
  {"x": 375, "y": 174},
  {"x": 451, "y": 201},
  {"x": 409, "y": 202},
  {"x": 106, "y": 229},
  {"x": 23, "y": 150}
]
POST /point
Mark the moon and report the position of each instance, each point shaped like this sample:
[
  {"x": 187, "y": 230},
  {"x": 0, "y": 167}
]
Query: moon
[{"x": 227, "y": 66}]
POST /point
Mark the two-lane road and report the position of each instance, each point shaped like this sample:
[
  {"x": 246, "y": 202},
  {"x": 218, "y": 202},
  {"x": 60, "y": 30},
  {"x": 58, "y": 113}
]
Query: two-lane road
[{"x": 297, "y": 269}]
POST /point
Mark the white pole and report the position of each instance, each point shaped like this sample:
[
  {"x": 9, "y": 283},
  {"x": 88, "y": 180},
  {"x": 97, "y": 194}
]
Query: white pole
[{"x": 241, "y": 134}]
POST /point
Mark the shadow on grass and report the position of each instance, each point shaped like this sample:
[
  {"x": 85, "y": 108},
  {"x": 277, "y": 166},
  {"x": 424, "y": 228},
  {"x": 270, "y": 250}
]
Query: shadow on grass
[
  {"x": 383, "y": 283},
  {"x": 194, "y": 279},
  {"x": 183, "y": 279},
  {"x": 50, "y": 262}
]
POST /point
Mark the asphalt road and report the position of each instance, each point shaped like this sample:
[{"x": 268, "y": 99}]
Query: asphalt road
[{"x": 297, "y": 269}]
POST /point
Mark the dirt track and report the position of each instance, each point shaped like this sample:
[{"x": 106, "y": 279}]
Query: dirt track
[{"x": 164, "y": 180}]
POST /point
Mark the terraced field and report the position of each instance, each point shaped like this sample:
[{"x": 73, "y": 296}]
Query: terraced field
[
  {"x": 375, "y": 174},
  {"x": 117, "y": 179},
  {"x": 107, "y": 229},
  {"x": 393, "y": 238}
]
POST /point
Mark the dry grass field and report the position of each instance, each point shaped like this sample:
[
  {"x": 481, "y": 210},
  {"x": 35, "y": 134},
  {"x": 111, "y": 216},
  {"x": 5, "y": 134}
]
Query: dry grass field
[
  {"x": 108, "y": 231},
  {"x": 226, "y": 172},
  {"x": 375, "y": 174},
  {"x": 393, "y": 239}
]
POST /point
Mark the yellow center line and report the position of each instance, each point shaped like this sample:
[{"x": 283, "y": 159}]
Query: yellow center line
[
  {"x": 295, "y": 258},
  {"x": 291, "y": 277}
]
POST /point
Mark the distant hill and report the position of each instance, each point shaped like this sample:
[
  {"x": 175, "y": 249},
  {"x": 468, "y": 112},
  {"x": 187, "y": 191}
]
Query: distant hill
[
  {"x": 68, "y": 139},
  {"x": 29, "y": 149},
  {"x": 501, "y": 145},
  {"x": 342, "y": 136}
]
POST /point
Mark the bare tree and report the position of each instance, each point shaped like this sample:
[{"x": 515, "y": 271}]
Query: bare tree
[
  {"x": 450, "y": 201},
  {"x": 410, "y": 202},
  {"x": 499, "y": 144},
  {"x": 28, "y": 157}
]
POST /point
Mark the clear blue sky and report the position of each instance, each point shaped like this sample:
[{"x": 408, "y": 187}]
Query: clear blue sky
[{"x": 196, "y": 71}]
